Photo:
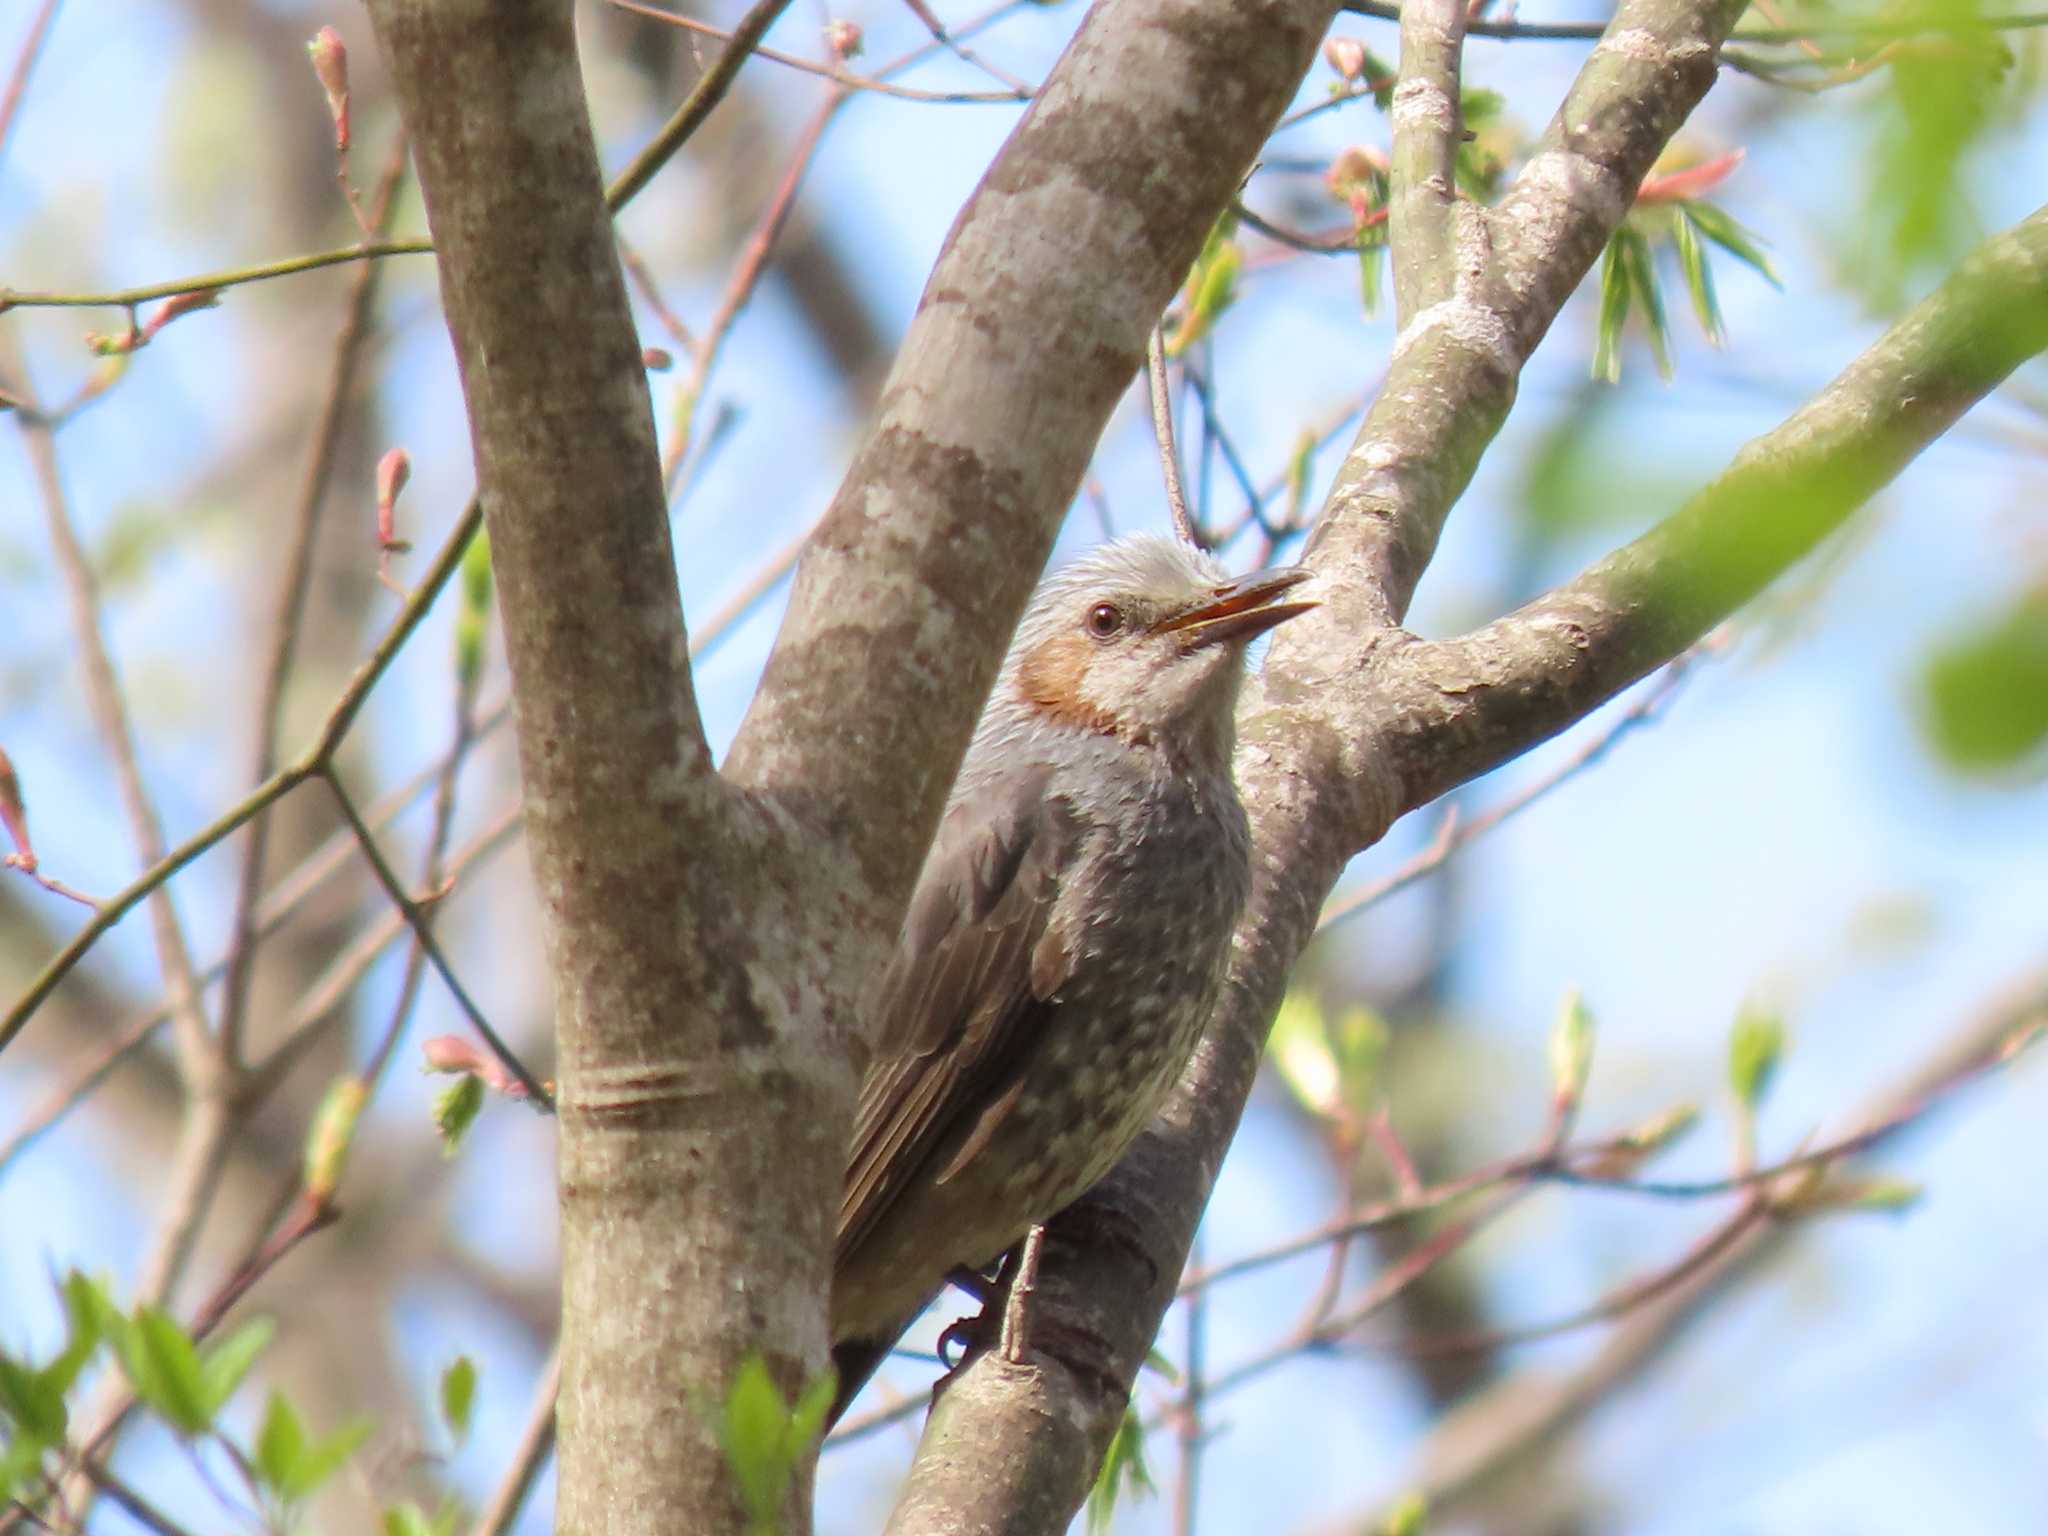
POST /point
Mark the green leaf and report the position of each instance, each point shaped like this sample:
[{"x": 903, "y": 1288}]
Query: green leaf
[
  {"x": 1987, "y": 689},
  {"x": 476, "y": 573},
  {"x": 280, "y": 1448},
  {"x": 1360, "y": 1036},
  {"x": 1156, "y": 1361},
  {"x": 807, "y": 1418},
  {"x": 82, "y": 1314},
  {"x": 19, "y": 1460},
  {"x": 1300, "y": 466},
  {"x": 1699, "y": 277},
  {"x": 750, "y": 1430},
  {"x": 1405, "y": 1517},
  {"x": 1942, "y": 96},
  {"x": 1635, "y": 251},
  {"x": 1755, "y": 1044},
  {"x": 1571, "y": 1047},
  {"x": 1123, "y": 1467},
  {"x": 229, "y": 1361},
  {"x": 1299, "y": 1048},
  {"x": 1744, "y": 245},
  {"x": 162, "y": 1365},
  {"x": 408, "y": 1519},
  {"x": 455, "y": 1110},
  {"x": 1614, "y": 300},
  {"x": 293, "y": 1466},
  {"x": 323, "y": 1458},
  {"x": 32, "y": 1404},
  {"x": 1371, "y": 255},
  {"x": 458, "y": 1396}
]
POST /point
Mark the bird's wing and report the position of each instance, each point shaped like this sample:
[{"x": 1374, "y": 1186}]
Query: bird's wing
[{"x": 982, "y": 950}]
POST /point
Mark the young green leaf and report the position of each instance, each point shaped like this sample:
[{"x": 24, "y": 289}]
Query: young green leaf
[
  {"x": 408, "y": 1519},
  {"x": 1986, "y": 689},
  {"x": 294, "y": 1467},
  {"x": 1406, "y": 1517},
  {"x": 1699, "y": 277},
  {"x": 1744, "y": 245},
  {"x": 751, "y": 1432},
  {"x": 1123, "y": 1467},
  {"x": 224, "y": 1365},
  {"x": 280, "y": 1447},
  {"x": 31, "y": 1404},
  {"x": 1754, "y": 1046},
  {"x": 1642, "y": 277},
  {"x": 1371, "y": 255},
  {"x": 458, "y": 1396},
  {"x": 162, "y": 1365},
  {"x": 1299, "y": 1047},
  {"x": 455, "y": 1110},
  {"x": 1614, "y": 301},
  {"x": 1571, "y": 1047},
  {"x": 323, "y": 1458}
]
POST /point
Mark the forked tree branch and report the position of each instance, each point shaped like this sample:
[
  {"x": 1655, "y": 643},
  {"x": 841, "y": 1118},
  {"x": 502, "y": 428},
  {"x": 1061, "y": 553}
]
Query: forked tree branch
[{"x": 1331, "y": 745}]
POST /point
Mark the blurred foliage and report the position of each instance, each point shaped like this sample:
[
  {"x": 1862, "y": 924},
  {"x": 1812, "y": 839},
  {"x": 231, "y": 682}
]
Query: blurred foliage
[
  {"x": 1986, "y": 689},
  {"x": 184, "y": 1385},
  {"x": 1941, "y": 94}
]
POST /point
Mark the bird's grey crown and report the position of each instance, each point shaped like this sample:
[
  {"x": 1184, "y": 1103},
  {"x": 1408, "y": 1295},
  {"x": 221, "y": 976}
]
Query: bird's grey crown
[{"x": 1163, "y": 571}]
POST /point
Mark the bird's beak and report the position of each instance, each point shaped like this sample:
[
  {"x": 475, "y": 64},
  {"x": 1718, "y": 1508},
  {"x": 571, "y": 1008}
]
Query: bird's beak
[{"x": 1242, "y": 609}]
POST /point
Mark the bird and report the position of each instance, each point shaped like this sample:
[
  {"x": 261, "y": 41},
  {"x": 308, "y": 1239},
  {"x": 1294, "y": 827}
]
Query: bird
[{"x": 1068, "y": 932}]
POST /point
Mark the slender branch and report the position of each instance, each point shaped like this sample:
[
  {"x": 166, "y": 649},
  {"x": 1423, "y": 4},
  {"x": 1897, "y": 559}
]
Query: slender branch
[
  {"x": 198, "y": 1052},
  {"x": 231, "y": 277},
  {"x": 1162, "y": 433},
  {"x": 24, "y": 66},
  {"x": 423, "y": 935},
  {"x": 294, "y": 580},
  {"x": 536, "y": 1444},
  {"x": 708, "y": 92},
  {"x": 1504, "y": 1422},
  {"x": 1458, "y": 832},
  {"x": 877, "y": 83},
  {"x": 746, "y": 277}
]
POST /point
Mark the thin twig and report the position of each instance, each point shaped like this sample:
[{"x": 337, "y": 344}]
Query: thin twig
[
  {"x": 746, "y": 277},
  {"x": 837, "y": 75},
  {"x": 24, "y": 66},
  {"x": 536, "y": 1443},
  {"x": 294, "y": 582},
  {"x": 1457, "y": 832},
  {"x": 1162, "y": 433},
  {"x": 424, "y": 933}
]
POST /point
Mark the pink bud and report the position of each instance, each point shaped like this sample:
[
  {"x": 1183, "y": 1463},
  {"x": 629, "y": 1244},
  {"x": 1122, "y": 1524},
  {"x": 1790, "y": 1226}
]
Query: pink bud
[
  {"x": 393, "y": 470},
  {"x": 657, "y": 359},
  {"x": 844, "y": 39},
  {"x": 330, "y": 64},
  {"x": 14, "y": 816},
  {"x": 1346, "y": 55}
]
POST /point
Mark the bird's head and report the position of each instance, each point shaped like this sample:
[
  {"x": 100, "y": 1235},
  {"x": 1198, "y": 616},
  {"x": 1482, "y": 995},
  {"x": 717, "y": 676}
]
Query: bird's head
[{"x": 1144, "y": 639}]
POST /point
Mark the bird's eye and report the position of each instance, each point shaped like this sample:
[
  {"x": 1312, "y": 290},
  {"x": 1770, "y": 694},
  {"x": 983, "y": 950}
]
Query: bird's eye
[{"x": 1104, "y": 620}]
